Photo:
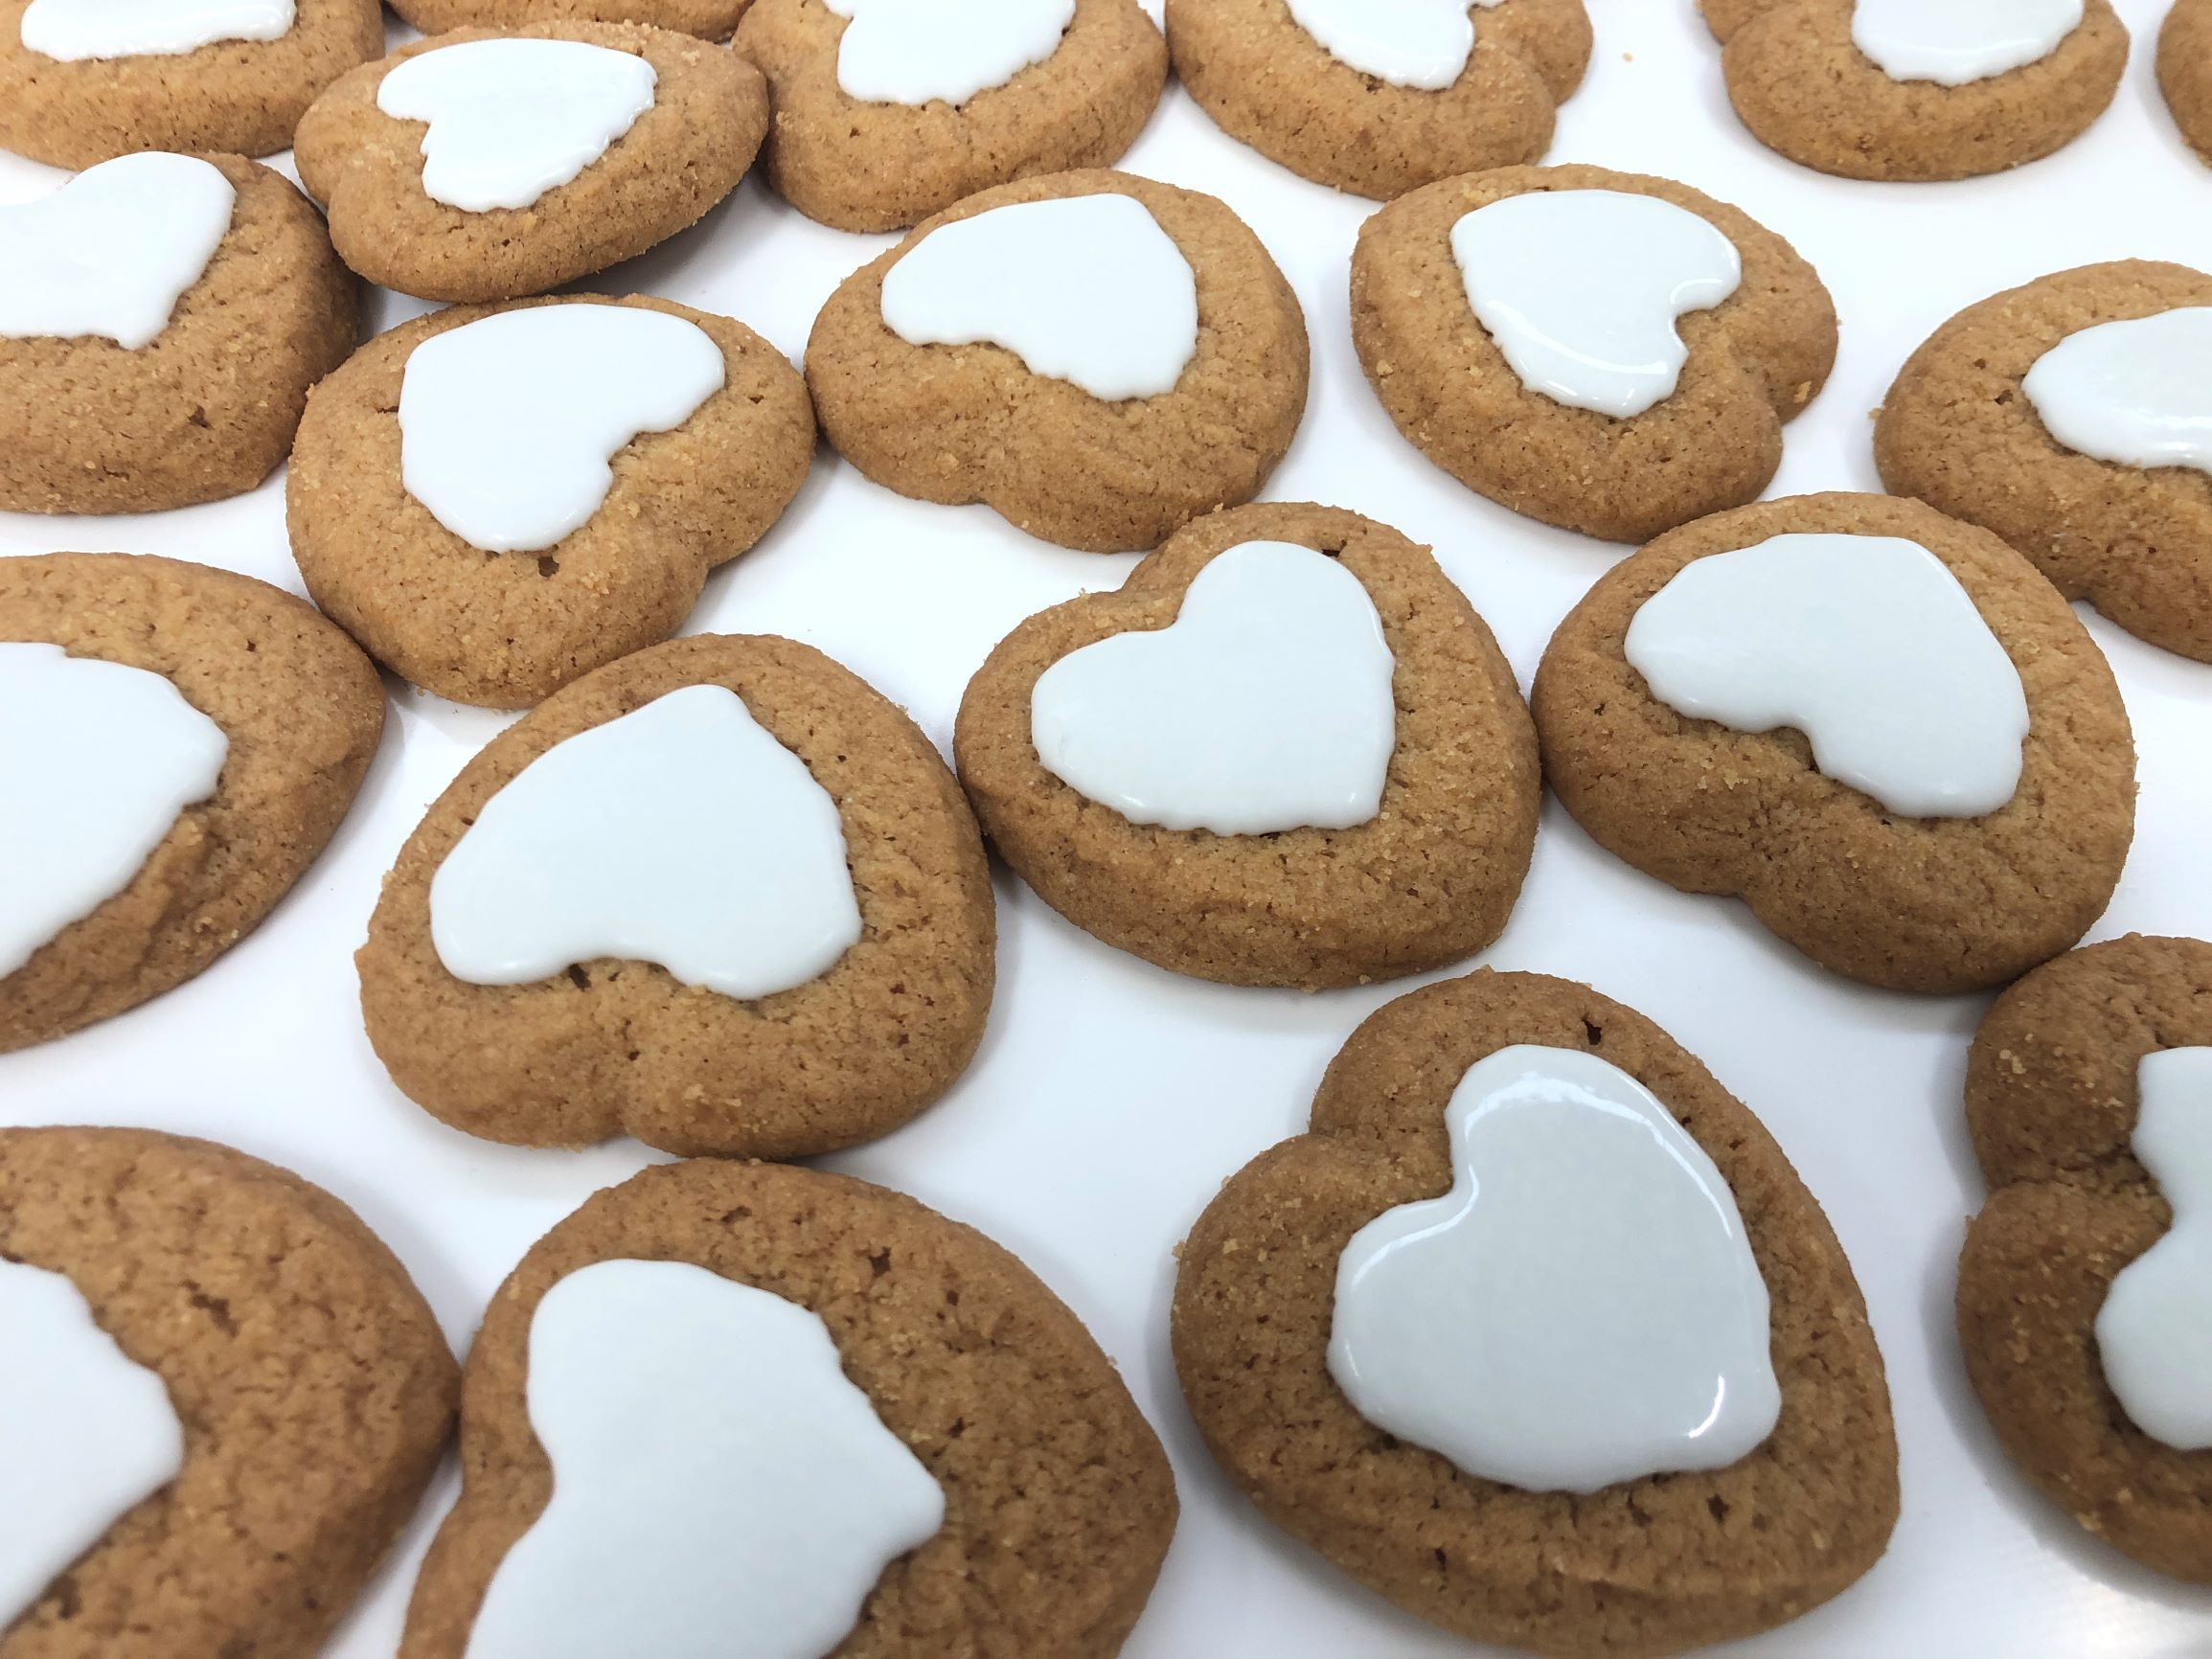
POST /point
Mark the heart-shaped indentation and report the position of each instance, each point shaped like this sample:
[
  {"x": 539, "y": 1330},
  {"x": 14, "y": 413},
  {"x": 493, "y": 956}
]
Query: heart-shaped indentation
[
  {"x": 2134, "y": 392},
  {"x": 1953, "y": 42},
  {"x": 1421, "y": 44},
  {"x": 510, "y": 119},
  {"x": 1582, "y": 290},
  {"x": 681, "y": 834},
  {"x": 919, "y": 52},
  {"x": 508, "y": 424},
  {"x": 112, "y": 251},
  {"x": 73, "y": 30},
  {"x": 715, "y": 1470},
  {"x": 1866, "y": 644},
  {"x": 85, "y": 1432},
  {"x": 100, "y": 758},
  {"x": 1580, "y": 1308},
  {"x": 1085, "y": 288},
  {"x": 1265, "y": 706}
]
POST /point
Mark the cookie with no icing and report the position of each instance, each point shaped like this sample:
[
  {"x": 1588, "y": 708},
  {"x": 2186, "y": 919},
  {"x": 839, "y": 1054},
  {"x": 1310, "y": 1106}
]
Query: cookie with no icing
[
  {"x": 1609, "y": 353},
  {"x": 2185, "y": 71}
]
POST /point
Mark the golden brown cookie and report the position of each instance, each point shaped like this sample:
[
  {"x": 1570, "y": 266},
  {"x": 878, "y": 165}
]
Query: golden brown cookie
[
  {"x": 1268, "y": 83},
  {"x": 686, "y": 154},
  {"x": 1644, "y": 1567},
  {"x": 1910, "y": 903},
  {"x": 505, "y": 629},
  {"x": 1808, "y": 92},
  {"x": 208, "y": 408},
  {"x": 1059, "y": 1502},
  {"x": 958, "y": 424},
  {"x": 314, "y": 1389},
  {"x": 708, "y": 19},
  {"x": 862, "y": 165},
  {"x": 611, "y": 1047},
  {"x": 1755, "y": 360},
  {"x": 1429, "y": 880},
  {"x": 246, "y": 96},
  {"x": 1959, "y": 431},
  {"x": 2185, "y": 71},
  {"x": 302, "y": 710},
  {"x": 2051, "y": 1098}
]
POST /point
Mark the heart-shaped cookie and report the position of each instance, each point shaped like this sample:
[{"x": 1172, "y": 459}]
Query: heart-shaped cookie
[
  {"x": 2081, "y": 1290},
  {"x": 1270, "y": 1283},
  {"x": 311, "y": 1386},
  {"x": 1286, "y": 752}
]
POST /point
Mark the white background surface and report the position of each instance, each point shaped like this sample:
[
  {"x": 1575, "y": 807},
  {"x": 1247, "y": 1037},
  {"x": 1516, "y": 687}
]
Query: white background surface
[{"x": 1110, "y": 1099}]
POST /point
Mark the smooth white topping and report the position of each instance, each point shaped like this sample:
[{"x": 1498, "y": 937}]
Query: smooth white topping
[
  {"x": 1954, "y": 42},
  {"x": 74, "y": 30},
  {"x": 1422, "y": 45},
  {"x": 918, "y": 52},
  {"x": 2137, "y": 392}
]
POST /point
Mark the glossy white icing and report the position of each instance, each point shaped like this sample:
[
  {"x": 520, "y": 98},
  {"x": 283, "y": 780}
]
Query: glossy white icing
[{"x": 2137, "y": 392}]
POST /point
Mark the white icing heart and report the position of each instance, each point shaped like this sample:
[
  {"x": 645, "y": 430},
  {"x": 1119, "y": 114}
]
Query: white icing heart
[
  {"x": 510, "y": 119},
  {"x": 1953, "y": 42},
  {"x": 1580, "y": 1308},
  {"x": 112, "y": 251},
  {"x": 2138, "y": 393},
  {"x": 1866, "y": 644},
  {"x": 2154, "y": 1330},
  {"x": 100, "y": 760},
  {"x": 1582, "y": 290},
  {"x": 508, "y": 424},
  {"x": 73, "y": 30},
  {"x": 919, "y": 52},
  {"x": 1265, "y": 706},
  {"x": 1086, "y": 288},
  {"x": 86, "y": 1433},
  {"x": 1421, "y": 44},
  {"x": 681, "y": 833},
  {"x": 720, "y": 1485}
]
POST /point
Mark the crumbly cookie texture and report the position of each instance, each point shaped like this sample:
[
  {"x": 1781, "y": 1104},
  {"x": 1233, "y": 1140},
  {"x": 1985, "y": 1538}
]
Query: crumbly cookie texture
[
  {"x": 241, "y": 96},
  {"x": 1431, "y": 880},
  {"x": 1647, "y": 1567},
  {"x": 686, "y": 154},
  {"x": 1059, "y": 1502},
  {"x": 2051, "y": 1100},
  {"x": 707, "y": 19},
  {"x": 1807, "y": 92},
  {"x": 314, "y": 1386},
  {"x": 507, "y": 630},
  {"x": 209, "y": 409},
  {"x": 2185, "y": 71},
  {"x": 959, "y": 424},
  {"x": 1266, "y": 82},
  {"x": 1756, "y": 360},
  {"x": 882, "y": 166},
  {"x": 1957, "y": 431},
  {"x": 611, "y": 1047},
  {"x": 1924, "y": 904},
  {"x": 302, "y": 709}
]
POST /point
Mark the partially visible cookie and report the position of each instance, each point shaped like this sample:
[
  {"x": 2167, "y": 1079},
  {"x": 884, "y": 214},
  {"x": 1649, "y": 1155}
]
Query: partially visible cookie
[
  {"x": 720, "y": 895},
  {"x": 1536, "y": 1333},
  {"x": 886, "y": 113},
  {"x": 487, "y": 164},
  {"x": 1098, "y": 357},
  {"x": 2089, "y": 1095},
  {"x": 708, "y": 19},
  {"x": 728, "y": 1397},
  {"x": 1878, "y": 727},
  {"x": 161, "y": 320},
  {"x": 1609, "y": 353},
  {"x": 496, "y": 500},
  {"x": 82, "y": 81},
  {"x": 1286, "y": 752},
  {"x": 227, "y": 1398},
  {"x": 2185, "y": 71},
  {"x": 2066, "y": 415},
  {"x": 180, "y": 743},
  {"x": 1906, "y": 90},
  {"x": 1378, "y": 101}
]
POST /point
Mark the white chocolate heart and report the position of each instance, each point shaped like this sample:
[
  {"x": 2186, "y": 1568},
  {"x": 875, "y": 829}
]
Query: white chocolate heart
[
  {"x": 111, "y": 252},
  {"x": 1419, "y": 44},
  {"x": 720, "y": 1485},
  {"x": 2137, "y": 392},
  {"x": 1265, "y": 706},
  {"x": 74, "y": 30},
  {"x": 681, "y": 833},
  {"x": 918, "y": 52},
  {"x": 1954, "y": 42}
]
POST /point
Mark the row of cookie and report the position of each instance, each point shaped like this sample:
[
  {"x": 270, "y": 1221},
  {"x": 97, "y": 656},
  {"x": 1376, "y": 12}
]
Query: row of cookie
[{"x": 1532, "y": 1307}]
